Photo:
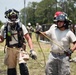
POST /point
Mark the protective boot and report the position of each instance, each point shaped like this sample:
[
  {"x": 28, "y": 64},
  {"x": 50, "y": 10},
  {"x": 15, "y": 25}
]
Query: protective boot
[
  {"x": 11, "y": 71},
  {"x": 23, "y": 69}
]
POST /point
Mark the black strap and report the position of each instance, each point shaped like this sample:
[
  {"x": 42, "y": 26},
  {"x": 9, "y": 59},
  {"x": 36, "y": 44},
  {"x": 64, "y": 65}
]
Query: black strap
[{"x": 21, "y": 40}]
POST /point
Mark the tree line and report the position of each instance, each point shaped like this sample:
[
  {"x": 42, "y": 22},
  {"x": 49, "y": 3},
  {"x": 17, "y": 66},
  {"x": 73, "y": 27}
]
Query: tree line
[{"x": 43, "y": 12}]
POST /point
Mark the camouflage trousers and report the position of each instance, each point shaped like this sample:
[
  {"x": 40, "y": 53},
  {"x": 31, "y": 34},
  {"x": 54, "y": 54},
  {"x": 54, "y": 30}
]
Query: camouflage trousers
[{"x": 57, "y": 65}]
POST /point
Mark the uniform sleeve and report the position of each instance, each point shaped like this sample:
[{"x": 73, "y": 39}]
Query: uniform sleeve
[
  {"x": 48, "y": 32},
  {"x": 72, "y": 36},
  {"x": 24, "y": 29}
]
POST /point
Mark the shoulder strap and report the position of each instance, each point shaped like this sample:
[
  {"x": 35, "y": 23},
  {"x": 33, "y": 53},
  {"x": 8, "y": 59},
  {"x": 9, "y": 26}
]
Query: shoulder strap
[
  {"x": 20, "y": 34},
  {"x": 8, "y": 38}
]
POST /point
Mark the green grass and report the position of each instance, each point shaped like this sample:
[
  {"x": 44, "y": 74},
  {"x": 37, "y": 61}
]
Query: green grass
[
  {"x": 35, "y": 67},
  {"x": 2, "y": 66}
]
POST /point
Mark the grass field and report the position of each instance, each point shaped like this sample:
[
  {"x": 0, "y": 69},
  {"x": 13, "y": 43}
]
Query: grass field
[{"x": 36, "y": 67}]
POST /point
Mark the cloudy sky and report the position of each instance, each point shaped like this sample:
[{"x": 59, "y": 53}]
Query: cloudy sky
[{"x": 7, "y": 4}]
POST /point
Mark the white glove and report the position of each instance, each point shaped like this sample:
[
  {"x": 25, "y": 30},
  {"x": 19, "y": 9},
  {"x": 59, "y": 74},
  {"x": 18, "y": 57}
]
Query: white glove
[{"x": 33, "y": 54}]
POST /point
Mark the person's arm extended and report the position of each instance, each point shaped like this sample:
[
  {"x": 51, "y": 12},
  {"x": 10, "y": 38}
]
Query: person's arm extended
[
  {"x": 29, "y": 40},
  {"x": 40, "y": 33},
  {"x": 33, "y": 54}
]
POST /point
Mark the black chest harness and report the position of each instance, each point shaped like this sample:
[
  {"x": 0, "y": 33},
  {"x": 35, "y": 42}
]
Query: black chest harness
[{"x": 9, "y": 35}]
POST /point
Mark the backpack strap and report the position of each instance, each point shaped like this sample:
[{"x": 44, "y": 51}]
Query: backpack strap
[
  {"x": 21, "y": 40},
  {"x": 8, "y": 38},
  {"x": 20, "y": 35},
  {"x": 19, "y": 29}
]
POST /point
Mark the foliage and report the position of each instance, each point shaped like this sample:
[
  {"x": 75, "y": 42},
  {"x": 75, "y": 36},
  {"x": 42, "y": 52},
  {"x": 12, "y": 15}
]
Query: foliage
[
  {"x": 30, "y": 11},
  {"x": 44, "y": 11}
]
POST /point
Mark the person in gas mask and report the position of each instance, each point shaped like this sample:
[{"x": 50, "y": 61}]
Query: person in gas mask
[{"x": 15, "y": 34}]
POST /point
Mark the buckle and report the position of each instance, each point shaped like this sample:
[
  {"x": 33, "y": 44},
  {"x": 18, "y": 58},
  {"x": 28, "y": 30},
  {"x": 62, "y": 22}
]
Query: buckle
[{"x": 12, "y": 47}]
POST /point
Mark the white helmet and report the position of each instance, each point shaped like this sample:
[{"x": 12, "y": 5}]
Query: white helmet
[{"x": 29, "y": 24}]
